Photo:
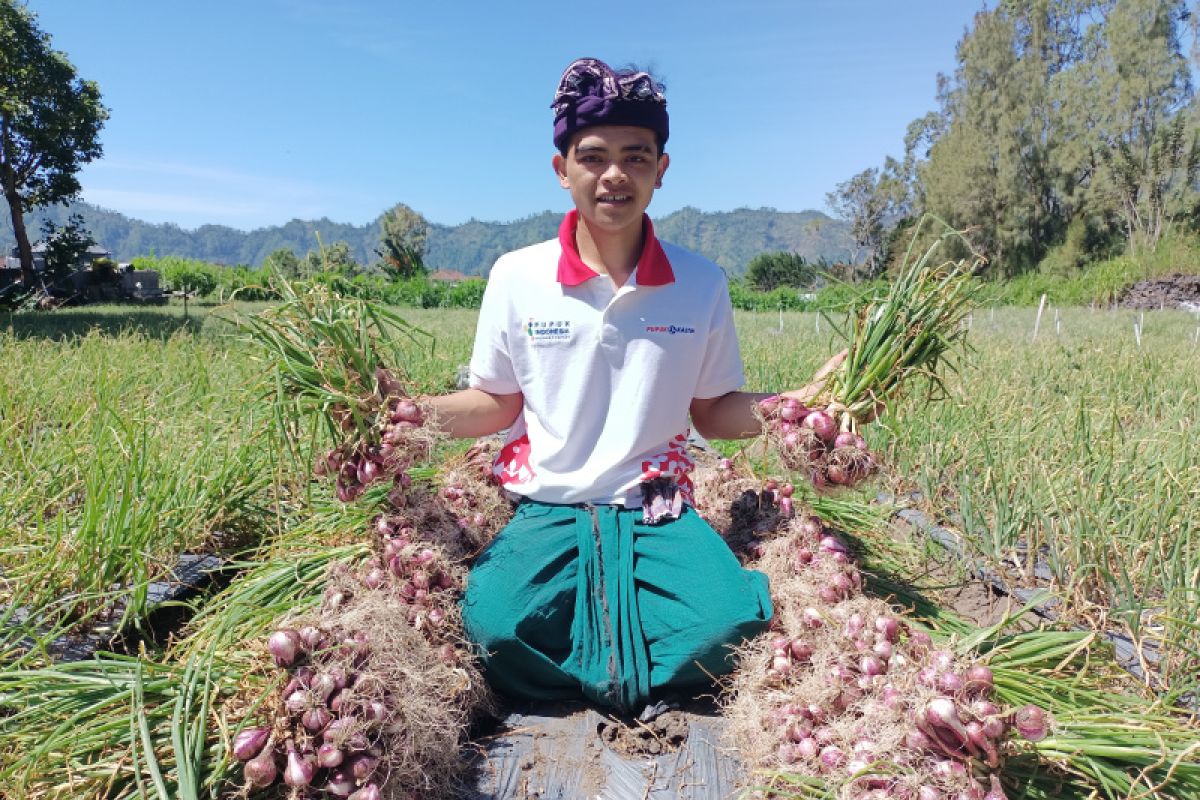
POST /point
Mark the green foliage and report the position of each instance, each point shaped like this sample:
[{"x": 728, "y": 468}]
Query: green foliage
[
  {"x": 65, "y": 247},
  {"x": 1068, "y": 126},
  {"x": 768, "y": 271},
  {"x": 866, "y": 201},
  {"x": 335, "y": 259},
  {"x": 283, "y": 261},
  {"x": 402, "y": 243},
  {"x": 833, "y": 296},
  {"x": 184, "y": 274},
  {"x": 1099, "y": 283},
  {"x": 50, "y": 117}
]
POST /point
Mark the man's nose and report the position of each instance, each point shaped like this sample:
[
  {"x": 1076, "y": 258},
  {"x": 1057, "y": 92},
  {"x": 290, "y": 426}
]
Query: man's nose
[{"x": 614, "y": 172}]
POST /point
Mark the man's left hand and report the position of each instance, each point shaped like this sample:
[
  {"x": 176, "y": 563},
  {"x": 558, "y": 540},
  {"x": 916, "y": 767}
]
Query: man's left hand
[{"x": 810, "y": 391}]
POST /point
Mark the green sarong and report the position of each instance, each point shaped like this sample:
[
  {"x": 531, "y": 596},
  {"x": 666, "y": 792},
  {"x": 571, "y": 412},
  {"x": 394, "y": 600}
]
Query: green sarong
[{"x": 589, "y": 598}]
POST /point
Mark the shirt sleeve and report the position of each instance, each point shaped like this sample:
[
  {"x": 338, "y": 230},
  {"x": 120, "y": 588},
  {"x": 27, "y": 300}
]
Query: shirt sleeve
[
  {"x": 491, "y": 360},
  {"x": 721, "y": 370}
]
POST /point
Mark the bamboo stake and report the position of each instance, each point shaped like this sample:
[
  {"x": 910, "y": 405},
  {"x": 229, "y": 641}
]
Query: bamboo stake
[{"x": 1037, "y": 323}]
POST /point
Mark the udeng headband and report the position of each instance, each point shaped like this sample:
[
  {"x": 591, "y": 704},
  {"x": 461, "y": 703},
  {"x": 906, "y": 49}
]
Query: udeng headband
[{"x": 591, "y": 93}]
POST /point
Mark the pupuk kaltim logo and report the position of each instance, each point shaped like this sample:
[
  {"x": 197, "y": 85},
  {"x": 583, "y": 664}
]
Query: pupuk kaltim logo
[{"x": 670, "y": 330}]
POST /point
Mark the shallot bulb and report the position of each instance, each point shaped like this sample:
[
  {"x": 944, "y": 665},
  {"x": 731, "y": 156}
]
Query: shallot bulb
[
  {"x": 300, "y": 769},
  {"x": 285, "y": 645},
  {"x": 979, "y": 680},
  {"x": 822, "y": 424},
  {"x": 249, "y": 743},
  {"x": 261, "y": 771},
  {"x": 341, "y": 783},
  {"x": 832, "y": 756},
  {"x": 1030, "y": 721},
  {"x": 328, "y": 755}
]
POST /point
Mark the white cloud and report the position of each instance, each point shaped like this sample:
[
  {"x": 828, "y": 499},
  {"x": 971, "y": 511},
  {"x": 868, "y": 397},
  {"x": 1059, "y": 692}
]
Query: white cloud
[
  {"x": 196, "y": 194},
  {"x": 164, "y": 207}
]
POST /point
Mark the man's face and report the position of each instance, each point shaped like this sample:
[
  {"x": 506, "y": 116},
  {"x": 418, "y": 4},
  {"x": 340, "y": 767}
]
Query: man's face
[{"x": 612, "y": 172}]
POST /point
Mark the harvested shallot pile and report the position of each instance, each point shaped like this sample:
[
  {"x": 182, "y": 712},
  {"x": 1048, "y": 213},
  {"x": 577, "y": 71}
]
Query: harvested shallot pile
[
  {"x": 379, "y": 684},
  {"x": 370, "y": 707},
  {"x": 845, "y": 690},
  {"x": 847, "y": 698}
]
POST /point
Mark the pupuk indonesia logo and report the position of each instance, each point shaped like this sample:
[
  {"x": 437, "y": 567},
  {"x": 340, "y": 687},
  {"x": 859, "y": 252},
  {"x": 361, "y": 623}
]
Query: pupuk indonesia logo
[{"x": 538, "y": 331}]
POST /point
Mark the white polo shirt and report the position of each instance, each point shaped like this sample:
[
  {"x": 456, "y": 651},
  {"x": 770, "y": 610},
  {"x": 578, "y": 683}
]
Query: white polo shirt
[{"x": 607, "y": 374}]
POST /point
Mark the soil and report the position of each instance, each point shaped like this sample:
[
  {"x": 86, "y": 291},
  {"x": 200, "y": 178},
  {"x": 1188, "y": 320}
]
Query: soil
[
  {"x": 1171, "y": 291},
  {"x": 663, "y": 734},
  {"x": 946, "y": 580}
]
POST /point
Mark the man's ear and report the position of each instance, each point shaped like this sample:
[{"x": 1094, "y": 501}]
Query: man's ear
[
  {"x": 664, "y": 161},
  {"x": 560, "y": 169}
]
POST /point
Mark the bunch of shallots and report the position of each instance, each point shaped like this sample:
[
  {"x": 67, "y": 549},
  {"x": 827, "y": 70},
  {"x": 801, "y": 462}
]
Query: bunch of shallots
[
  {"x": 380, "y": 440},
  {"x": 809, "y": 441}
]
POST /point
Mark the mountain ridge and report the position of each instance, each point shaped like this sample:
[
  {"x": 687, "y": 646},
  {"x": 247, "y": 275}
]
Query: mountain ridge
[{"x": 730, "y": 238}]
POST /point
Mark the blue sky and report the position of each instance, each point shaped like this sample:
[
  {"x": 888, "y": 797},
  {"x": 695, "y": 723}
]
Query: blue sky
[{"x": 256, "y": 112}]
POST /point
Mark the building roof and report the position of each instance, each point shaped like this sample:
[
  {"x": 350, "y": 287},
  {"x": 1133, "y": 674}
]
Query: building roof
[{"x": 448, "y": 275}]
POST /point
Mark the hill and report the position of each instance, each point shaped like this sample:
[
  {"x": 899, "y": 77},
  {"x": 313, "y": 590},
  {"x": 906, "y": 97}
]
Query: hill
[{"x": 730, "y": 238}]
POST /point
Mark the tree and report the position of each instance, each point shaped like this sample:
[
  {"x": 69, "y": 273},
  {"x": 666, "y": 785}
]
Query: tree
[
  {"x": 284, "y": 261},
  {"x": 1146, "y": 144},
  {"x": 867, "y": 201},
  {"x": 402, "y": 243},
  {"x": 768, "y": 271},
  {"x": 335, "y": 260},
  {"x": 50, "y": 122},
  {"x": 65, "y": 246}
]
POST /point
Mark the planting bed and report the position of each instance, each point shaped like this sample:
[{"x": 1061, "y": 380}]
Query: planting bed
[
  {"x": 165, "y": 612},
  {"x": 161, "y": 724},
  {"x": 569, "y": 751}
]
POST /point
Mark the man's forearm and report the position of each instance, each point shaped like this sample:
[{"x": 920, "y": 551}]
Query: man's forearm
[
  {"x": 730, "y": 416},
  {"x": 470, "y": 413}
]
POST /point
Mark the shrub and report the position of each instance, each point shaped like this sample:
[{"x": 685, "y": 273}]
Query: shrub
[{"x": 184, "y": 274}]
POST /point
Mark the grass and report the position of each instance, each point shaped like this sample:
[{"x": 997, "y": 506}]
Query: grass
[
  {"x": 1078, "y": 447},
  {"x": 118, "y": 452}
]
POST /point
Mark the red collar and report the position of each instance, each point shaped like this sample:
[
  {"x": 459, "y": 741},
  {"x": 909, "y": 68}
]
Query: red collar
[{"x": 653, "y": 267}]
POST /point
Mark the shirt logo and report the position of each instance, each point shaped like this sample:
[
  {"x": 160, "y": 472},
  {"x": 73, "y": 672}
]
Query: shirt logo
[
  {"x": 540, "y": 331},
  {"x": 670, "y": 329}
]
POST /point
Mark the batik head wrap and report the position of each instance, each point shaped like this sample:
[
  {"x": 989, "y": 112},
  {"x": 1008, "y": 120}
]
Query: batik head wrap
[{"x": 591, "y": 93}]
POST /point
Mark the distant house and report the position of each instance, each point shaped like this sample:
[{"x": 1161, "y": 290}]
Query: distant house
[
  {"x": 39, "y": 257},
  {"x": 448, "y": 276}
]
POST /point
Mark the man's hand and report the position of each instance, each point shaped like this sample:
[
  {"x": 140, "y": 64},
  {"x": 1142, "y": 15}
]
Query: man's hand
[
  {"x": 811, "y": 390},
  {"x": 471, "y": 413},
  {"x": 732, "y": 416}
]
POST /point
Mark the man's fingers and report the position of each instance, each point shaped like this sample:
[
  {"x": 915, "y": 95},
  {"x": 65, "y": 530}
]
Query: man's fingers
[{"x": 830, "y": 366}]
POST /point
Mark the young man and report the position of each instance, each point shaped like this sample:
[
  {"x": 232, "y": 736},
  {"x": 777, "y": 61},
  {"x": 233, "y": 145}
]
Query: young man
[{"x": 595, "y": 348}]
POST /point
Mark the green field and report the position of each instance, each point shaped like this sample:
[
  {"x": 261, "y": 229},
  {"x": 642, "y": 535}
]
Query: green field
[{"x": 128, "y": 438}]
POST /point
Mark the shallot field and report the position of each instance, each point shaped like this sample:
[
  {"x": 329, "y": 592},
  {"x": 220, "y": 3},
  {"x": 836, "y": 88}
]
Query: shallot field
[{"x": 1058, "y": 456}]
